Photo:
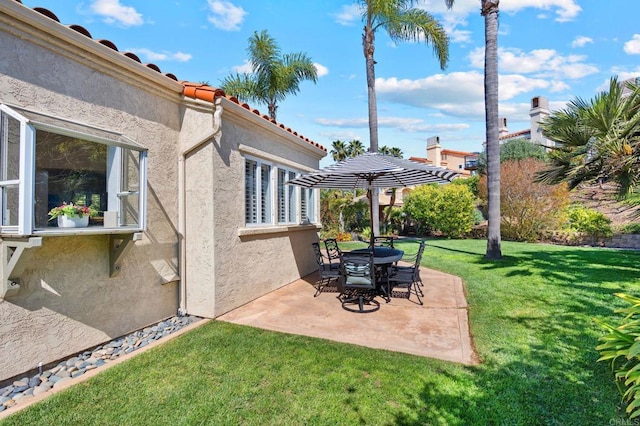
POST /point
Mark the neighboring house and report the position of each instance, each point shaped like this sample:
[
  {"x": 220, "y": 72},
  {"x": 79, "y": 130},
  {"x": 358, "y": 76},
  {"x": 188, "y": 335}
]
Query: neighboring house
[
  {"x": 538, "y": 112},
  {"x": 194, "y": 213},
  {"x": 462, "y": 162}
]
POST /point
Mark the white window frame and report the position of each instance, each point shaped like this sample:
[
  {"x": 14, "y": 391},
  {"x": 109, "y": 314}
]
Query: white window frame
[
  {"x": 117, "y": 144},
  {"x": 288, "y": 192},
  {"x": 257, "y": 188}
]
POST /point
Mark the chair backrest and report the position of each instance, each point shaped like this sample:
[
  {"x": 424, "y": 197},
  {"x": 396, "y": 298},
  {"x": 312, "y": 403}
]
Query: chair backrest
[
  {"x": 318, "y": 252},
  {"x": 333, "y": 251},
  {"x": 357, "y": 270},
  {"x": 420, "y": 253},
  {"x": 383, "y": 241}
]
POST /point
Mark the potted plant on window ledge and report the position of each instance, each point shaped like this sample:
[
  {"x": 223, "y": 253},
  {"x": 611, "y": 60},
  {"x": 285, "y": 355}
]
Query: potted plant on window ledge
[{"x": 72, "y": 215}]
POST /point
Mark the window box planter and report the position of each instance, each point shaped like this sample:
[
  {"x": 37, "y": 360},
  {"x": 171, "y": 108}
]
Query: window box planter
[{"x": 65, "y": 221}]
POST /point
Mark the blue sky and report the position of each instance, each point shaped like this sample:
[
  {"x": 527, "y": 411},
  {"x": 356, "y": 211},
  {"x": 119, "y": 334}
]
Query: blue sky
[{"x": 560, "y": 49}]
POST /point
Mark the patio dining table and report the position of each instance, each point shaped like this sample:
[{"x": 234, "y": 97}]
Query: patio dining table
[{"x": 383, "y": 257}]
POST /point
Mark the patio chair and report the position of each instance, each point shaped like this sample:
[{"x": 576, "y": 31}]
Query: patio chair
[
  {"x": 383, "y": 242},
  {"x": 408, "y": 276},
  {"x": 324, "y": 270},
  {"x": 358, "y": 283},
  {"x": 333, "y": 252}
]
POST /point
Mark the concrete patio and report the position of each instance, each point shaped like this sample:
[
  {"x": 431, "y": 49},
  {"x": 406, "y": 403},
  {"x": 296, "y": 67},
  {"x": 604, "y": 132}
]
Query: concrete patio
[{"x": 438, "y": 329}]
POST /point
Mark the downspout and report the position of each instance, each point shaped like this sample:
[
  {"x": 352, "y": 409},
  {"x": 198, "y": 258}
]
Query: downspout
[{"x": 182, "y": 214}]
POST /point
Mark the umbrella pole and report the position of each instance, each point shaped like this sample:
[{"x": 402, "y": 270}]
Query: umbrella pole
[{"x": 371, "y": 237}]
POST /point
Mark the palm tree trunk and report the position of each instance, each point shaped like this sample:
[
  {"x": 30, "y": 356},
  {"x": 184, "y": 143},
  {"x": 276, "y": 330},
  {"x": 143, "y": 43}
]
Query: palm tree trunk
[
  {"x": 490, "y": 13},
  {"x": 368, "y": 39}
]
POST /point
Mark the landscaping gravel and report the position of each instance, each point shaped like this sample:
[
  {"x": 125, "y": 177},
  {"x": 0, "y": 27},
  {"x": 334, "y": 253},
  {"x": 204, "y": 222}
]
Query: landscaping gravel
[{"x": 44, "y": 381}]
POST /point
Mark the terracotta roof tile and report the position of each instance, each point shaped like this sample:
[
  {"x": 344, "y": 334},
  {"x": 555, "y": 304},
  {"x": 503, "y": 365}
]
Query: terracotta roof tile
[
  {"x": 132, "y": 56},
  {"x": 193, "y": 90},
  {"x": 109, "y": 44},
  {"x": 453, "y": 152},
  {"x": 515, "y": 134},
  {"x": 207, "y": 93},
  {"x": 82, "y": 30},
  {"x": 46, "y": 12}
]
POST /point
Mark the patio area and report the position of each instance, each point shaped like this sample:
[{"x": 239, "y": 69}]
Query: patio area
[{"x": 438, "y": 329}]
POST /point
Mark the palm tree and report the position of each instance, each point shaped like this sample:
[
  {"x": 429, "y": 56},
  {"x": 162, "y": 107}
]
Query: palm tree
[
  {"x": 274, "y": 76},
  {"x": 355, "y": 148},
  {"x": 339, "y": 150},
  {"x": 490, "y": 13},
  {"x": 597, "y": 139},
  {"x": 402, "y": 23}
]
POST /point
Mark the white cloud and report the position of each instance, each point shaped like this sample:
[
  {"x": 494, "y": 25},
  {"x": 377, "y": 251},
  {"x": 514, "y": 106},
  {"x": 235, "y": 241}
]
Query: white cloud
[
  {"x": 451, "y": 24},
  {"x": 114, "y": 12},
  {"x": 581, "y": 41},
  {"x": 410, "y": 125},
  {"x": 349, "y": 14},
  {"x": 226, "y": 16},
  {"x": 151, "y": 56},
  {"x": 632, "y": 47},
  {"x": 245, "y": 68},
  {"x": 565, "y": 10},
  {"x": 321, "y": 69},
  {"x": 541, "y": 63}
]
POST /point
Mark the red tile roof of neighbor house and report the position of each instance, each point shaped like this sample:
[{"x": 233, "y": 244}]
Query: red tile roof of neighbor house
[
  {"x": 452, "y": 152},
  {"x": 420, "y": 160},
  {"x": 515, "y": 134},
  {"x": 191, "y": 90}
]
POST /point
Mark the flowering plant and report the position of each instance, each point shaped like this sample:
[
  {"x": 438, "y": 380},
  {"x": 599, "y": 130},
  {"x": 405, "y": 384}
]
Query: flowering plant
[{"x": 71, "y": 210}]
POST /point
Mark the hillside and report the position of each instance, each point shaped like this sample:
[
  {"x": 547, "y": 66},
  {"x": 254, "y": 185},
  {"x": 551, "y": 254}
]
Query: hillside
[{"x": 602, "y": 198}]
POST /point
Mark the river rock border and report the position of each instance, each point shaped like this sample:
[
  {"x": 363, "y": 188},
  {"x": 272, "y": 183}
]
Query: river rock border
[{"x": 79, "y": 364}]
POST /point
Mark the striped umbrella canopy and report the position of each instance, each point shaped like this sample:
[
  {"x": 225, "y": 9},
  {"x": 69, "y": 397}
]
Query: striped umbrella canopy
[{"x": 374, "y": 170}]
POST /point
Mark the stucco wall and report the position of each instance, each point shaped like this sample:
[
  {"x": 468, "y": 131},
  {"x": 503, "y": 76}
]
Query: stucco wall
[
  {"x": 67, "y": 301},
  {"x": 249, "y": 266}
]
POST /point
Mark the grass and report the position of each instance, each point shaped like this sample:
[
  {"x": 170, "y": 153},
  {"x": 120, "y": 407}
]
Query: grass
[{"x": 531, "y": 319}]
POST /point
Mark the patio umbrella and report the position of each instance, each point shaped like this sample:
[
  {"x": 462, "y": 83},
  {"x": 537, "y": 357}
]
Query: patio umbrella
[{"x": 374, "y": 170}]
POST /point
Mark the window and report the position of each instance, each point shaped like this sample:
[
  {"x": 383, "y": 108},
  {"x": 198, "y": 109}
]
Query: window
[
  {"x": 287, "y": 206},
  {"x": 257, "y": 192},
  {"x": 46, "y": 161},
  {"x": 292, "y": 204}
]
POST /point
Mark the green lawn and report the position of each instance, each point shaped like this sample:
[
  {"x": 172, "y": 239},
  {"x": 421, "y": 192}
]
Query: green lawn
[{"x": 531, "y": 319}]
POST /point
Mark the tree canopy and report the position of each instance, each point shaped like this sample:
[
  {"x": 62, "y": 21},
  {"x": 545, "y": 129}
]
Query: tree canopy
[
  {"x": 274, "y": 75},
  {"x": 597, "y": 139}
]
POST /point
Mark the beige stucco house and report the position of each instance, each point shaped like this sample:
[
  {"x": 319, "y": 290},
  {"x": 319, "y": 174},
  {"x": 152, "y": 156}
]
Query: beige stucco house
[{"x": 193, "y": 212}]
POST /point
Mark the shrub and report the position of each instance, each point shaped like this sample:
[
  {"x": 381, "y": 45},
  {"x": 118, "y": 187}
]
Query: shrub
[
  {"x": 590, "y": 222},
  {"x": 444, "y": 208},
  {"x": 528, "y": 209},
  {"x": 629, "y": 228},
  {"x": 621, "y": 346},
  {"x": 343, "y": 236},
  {"x": 471, "y": 182}
]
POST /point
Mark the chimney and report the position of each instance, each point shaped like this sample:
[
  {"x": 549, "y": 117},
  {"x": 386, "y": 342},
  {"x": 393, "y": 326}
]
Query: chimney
[
  {"x": 434, "y": 150},
  {"x": 539, "y": 111},
  {"x": 503, "y": 130}
]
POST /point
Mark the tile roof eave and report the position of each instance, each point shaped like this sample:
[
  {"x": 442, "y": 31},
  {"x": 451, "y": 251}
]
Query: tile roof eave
[
  {"x": 209, "y": 94},
  {"x": 78, "y": 44}
]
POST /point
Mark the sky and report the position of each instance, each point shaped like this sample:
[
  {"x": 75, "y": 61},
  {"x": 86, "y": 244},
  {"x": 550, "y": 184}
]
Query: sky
[{"x": 559, "y": 49}]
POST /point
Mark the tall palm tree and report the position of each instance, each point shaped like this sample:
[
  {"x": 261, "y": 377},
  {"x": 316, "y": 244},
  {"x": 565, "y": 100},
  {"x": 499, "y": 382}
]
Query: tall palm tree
[
  {"x": 597, "y": 139},
  {"x": 274, "y": 76},
  {"x": 490, "y": 13},
  {"x": 402, "y": 22}
]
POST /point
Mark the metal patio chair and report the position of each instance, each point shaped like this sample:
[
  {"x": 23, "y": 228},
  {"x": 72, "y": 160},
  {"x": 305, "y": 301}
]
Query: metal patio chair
[
  {"x": 325, "y": 272},
  {"x": 408, "y": 276},
  {"x": 333, "y": 252},
  {"x": 358, "y": 283}
]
